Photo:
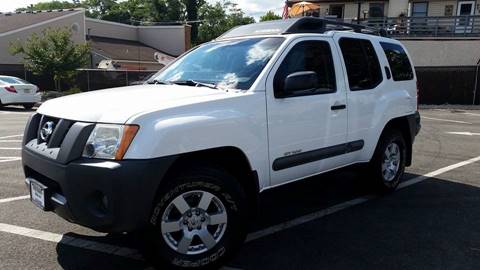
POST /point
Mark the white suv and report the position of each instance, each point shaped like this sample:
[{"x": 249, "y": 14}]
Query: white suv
[{"x": 184, "y": 158}]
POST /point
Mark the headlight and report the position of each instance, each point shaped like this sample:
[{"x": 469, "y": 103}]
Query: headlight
[{"x": 109, "y": 141}]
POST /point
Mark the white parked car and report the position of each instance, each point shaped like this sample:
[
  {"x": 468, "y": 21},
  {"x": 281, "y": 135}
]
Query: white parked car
[
  {"x": 15, "y": 91},
  {"x": 184, "y": 158}
]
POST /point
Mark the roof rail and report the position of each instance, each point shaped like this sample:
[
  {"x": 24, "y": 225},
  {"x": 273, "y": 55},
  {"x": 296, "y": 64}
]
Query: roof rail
[{"x": 299, "y": 25}]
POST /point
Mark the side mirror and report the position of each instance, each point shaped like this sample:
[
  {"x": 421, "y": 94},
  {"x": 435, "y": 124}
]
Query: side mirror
[{"x": 299, "y": 82}]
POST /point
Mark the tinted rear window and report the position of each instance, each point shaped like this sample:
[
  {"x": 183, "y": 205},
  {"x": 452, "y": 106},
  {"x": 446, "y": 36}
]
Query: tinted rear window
[
  {"x": 363, "y": 67},
  {"x": 399, "y": 62}
]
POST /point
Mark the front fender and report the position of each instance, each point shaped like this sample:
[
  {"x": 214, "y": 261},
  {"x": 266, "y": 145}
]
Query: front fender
[{"x": 235, "y": 122}]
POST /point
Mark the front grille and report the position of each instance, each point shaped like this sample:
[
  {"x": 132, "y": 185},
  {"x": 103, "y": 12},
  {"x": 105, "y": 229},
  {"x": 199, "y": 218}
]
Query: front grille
[
  {"x": 52, "y": 131},
  {"x": 64, "y": 141}
]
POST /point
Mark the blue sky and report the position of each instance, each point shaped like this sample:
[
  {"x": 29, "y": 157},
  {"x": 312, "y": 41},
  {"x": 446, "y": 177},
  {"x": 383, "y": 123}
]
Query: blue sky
[{"x": 252, "y": 8}]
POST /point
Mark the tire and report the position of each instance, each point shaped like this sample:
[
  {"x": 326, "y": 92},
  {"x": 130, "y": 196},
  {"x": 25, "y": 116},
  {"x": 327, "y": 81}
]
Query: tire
[
  {"x": 28, "y": 106},
  {"x": 387, "y": 171},
  {"x": 164, "y": 249}
]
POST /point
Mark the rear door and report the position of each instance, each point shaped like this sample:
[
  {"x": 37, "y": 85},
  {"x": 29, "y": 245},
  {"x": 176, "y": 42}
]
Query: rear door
[
  {"x": 307, "y": 131},
  {"x": 365, "y": 85}
]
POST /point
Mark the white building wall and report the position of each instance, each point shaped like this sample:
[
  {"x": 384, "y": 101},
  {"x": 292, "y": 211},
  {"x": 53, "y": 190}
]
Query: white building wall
[
  {"x": 437, "y": 8},
  {"x": 169, "y": 39},
  {"x": 443, "y": 52},
  {"x": 70, "y": 21},
  {"x": 107, "y": 29},
  {"x": 397, "y": 7}
]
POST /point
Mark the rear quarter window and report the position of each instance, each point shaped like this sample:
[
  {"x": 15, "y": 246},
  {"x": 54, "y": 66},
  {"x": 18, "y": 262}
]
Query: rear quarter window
[{"x": 399, "y": 62}]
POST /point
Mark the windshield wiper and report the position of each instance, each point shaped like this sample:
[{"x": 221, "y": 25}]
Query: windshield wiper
[
  {"x": 158, "y": 82},
  {"x": 196, "y": 84}
]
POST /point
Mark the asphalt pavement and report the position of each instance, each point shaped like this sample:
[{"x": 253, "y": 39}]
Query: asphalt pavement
[{"x": 331, "y": 221}]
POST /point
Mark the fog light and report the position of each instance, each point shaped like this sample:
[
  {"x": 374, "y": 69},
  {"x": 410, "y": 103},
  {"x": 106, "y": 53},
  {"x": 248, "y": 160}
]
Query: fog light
[{"x": 89, "y": 150}]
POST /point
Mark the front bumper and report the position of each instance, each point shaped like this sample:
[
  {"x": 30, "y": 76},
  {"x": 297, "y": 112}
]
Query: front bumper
[{"x": 107, "y": 196}]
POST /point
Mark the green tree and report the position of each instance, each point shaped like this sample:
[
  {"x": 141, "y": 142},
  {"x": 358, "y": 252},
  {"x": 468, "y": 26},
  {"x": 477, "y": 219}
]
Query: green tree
[
  {"x": 118, "y": 13},
  {"x": 218, "y": 18},
  {"x": 49, "y": 5},
  {"x": 235, "y": 15},
  {"x": 98, "y": 8},
  {"x": 167, "y": 10},
  {"x": 52, "y": 53},
  {"x": 270, "y": 16}
]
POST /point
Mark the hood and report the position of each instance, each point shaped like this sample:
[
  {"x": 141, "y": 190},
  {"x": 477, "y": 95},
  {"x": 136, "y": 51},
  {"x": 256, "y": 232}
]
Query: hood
[{"x": 117, "y": 105}]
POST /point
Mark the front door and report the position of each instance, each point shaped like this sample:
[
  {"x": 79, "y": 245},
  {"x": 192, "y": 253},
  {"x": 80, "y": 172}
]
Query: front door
[
  {"x": 306, "y": 130},
  {"x": 464, "y": 22}
]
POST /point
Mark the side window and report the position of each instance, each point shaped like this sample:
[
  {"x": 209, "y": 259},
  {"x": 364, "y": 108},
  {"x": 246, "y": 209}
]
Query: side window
[
  {"x": 309, "y": 56},
  {"x": 363, "y": 68},
  {"x": 398, "y": 60}
]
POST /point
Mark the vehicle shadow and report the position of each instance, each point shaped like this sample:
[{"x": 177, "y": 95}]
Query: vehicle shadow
[
  {"x": 6, "y": 108},
  {"x": 431, "y": 225},
  {"x": 82, "y": 253}
]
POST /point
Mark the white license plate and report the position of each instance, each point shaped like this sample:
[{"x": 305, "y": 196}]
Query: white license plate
[
  {"x": 26, "y": 91},
  {"x": 37, "y": 193}
]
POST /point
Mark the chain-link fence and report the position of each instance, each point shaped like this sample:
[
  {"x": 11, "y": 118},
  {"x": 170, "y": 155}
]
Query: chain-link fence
[
  {"x": 94, "y": 79},
  {"x": 86, "y": 79}
]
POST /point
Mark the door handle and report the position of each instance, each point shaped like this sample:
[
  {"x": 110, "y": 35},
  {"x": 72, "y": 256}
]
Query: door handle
[{"x": 338, "y": 107}]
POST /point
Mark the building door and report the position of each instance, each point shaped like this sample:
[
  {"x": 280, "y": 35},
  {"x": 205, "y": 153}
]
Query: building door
[
  {"x": 464, "y": 22},
  {"x": 336, "y": 10}
]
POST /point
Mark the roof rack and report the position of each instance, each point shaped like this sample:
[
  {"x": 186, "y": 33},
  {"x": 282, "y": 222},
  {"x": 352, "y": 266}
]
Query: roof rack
[{"x": 299, "y": 25}]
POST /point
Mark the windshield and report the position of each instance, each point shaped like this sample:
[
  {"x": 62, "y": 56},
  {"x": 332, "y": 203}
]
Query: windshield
[{"x": 233, "y": 64}]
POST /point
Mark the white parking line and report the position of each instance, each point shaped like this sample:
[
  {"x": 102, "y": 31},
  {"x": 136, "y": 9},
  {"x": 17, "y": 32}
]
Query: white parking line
[
  {"x": 78, "y": 243},
  {"x": 23, "y": 113},
  {"x": 339, "y": 207},
  {"x": 11, "y": 136},
  {"x": 12, "y": 199},
  {"x": 9, "y": 141},
  {"x": 10, "y": 148},
  {"x": 71, "y": 241},
  {"x": 446, "y": 120},
  {"x": 9, "y": 159},
  {"x": 474, "y": 114},
  {"x": 464, "y": 133}
]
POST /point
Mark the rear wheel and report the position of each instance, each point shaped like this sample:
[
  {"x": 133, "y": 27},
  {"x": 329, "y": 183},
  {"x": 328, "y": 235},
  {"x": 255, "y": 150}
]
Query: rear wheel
[
  {"x": 198, "y": 221},
  {"x": 388, "y": 164}
]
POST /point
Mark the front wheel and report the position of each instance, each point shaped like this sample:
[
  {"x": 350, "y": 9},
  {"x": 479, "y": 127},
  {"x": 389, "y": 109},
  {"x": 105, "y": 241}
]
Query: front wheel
[
  {"x": 198, "y": 221},
  {"x": 388, "y": 163}
]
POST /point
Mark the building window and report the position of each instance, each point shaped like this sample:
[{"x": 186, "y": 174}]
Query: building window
[
  {"x": 336, "y": 10},
  {"x": 419, "y": 9},
  {"x": 376, "y": 10},
  {"x": 448, "y": 10}
]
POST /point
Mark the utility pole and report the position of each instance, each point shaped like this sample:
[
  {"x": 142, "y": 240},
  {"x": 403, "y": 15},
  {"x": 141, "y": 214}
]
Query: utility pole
[{"x": 359, "y": 11}]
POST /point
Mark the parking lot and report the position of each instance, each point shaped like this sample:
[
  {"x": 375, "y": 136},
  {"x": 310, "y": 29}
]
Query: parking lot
[{"x": 330, "y": 221}]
